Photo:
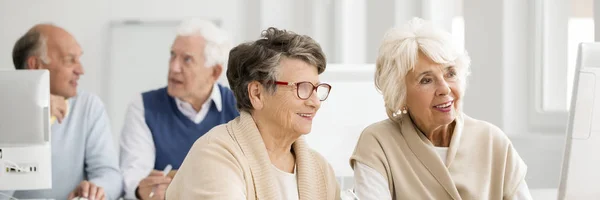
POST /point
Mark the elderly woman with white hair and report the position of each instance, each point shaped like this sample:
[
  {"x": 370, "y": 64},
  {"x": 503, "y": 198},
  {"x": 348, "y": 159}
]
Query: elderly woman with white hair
[
  {"x": 161, "y": 125},
  {"x": 428, "y": 148}
]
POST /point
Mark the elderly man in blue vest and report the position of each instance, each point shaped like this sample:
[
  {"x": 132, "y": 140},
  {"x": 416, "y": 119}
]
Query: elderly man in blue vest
[{"x": 161, "y": 125}]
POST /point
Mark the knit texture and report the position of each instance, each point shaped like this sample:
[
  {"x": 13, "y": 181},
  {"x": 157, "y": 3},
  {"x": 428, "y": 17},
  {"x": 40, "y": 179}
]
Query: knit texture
[{"x": 231, "y": 162}]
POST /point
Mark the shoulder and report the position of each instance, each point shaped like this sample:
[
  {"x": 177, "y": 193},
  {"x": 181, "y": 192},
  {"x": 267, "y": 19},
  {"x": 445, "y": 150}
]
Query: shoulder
[
  {"x": 378, "y": 143},
  {"x": 318, "y": 158},
  {"x": 217, "y": 135},
  {"x": 216, "y": 151},
  {"x": 381, "y": 126},
  {"x": 215, "y": 163},
  {"x": 155, "y": 91},
  {"x": 479, "y": 124},
  {"x": 377, "y": 131},
  {"x": 482, "y": 128},
  {"x": 154, "y": 99},
  {"x": 159, "y": 94},
  {"x": 218, "y": 140},
  {"x": 88, "y": 101}
]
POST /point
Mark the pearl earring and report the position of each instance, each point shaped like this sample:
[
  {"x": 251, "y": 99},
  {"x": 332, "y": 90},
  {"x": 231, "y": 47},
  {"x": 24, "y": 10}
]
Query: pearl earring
[{"x": 404, "y": 111}]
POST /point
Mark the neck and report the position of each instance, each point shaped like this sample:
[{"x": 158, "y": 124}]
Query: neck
[
  {"x": 440, "y": 136},
  {"x": 197, "y": 100},
  {"x": 278, "y": 143}
]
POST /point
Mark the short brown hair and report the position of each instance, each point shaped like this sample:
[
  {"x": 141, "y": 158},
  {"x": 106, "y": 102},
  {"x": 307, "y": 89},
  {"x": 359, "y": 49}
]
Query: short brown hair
[{"x": 259, "y": 61}]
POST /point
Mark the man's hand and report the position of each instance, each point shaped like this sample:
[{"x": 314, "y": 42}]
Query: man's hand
[
  {"x": 157, "y": 180},
  {"x": 88, "y": 190},
  {"x": 172, "y": 173},
  {"x": 58, "y": 107}
]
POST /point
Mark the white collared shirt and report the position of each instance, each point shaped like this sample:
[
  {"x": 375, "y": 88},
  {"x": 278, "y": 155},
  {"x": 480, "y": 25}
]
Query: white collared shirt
[
  {"x": 197, "y": 117},
  {"x": 137, "y": 146}
]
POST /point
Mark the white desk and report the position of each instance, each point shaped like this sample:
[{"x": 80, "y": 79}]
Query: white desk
[{"x": 544, "y": 193}]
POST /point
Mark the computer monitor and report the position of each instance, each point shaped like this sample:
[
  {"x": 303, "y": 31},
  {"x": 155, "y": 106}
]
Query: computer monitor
[
  {"x": 25, "y": 153},
  {"x": 581, "y": 163}
]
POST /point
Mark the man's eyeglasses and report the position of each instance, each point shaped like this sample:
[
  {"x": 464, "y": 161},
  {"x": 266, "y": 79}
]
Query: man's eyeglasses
[{"x": 305, "y": 89}]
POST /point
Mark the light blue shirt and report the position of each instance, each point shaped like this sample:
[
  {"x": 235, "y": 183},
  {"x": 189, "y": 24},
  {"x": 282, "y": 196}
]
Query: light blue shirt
[{"x": 82, "y": 149}]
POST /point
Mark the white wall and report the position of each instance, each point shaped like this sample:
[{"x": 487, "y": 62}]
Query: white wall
[{"x": 483, "y": 40}]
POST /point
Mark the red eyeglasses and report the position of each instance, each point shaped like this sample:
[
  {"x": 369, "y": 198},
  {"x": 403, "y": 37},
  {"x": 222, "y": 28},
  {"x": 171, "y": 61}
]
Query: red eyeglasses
[{"x": 305, "y": 89}]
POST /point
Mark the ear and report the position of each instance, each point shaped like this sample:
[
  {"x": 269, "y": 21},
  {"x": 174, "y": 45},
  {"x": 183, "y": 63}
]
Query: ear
[
  {"x": 256, "y": 95},
  {"x": 33, "y": 63},
  {"x": 216, "y": 71}
]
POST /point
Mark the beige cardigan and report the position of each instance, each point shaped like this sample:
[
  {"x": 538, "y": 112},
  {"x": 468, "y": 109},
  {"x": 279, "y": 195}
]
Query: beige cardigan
[
  {"x": 481, "y": 161},
  {"x": 231, "y": 162}
]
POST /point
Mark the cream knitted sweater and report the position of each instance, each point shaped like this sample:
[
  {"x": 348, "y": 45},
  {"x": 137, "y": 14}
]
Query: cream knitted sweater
[
  {"x": 481, "y": 161},
  {"x": 231, "y": 162}
]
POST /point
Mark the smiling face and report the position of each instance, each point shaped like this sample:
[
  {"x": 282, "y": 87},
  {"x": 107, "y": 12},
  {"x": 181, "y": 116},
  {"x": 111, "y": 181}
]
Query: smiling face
[
  {"x": 285, "y": 109},
  {"x": 65, "y": 67},
  {"x": 433, "y": 93}
]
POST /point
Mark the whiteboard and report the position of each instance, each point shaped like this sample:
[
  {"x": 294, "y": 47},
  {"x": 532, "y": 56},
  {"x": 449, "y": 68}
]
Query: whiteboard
[{"x": 138, "y": 61}]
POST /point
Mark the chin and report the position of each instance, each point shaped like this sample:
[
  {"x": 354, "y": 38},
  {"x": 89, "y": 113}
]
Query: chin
[
  {"x": 303, "y": 130},
  {"x": 70, "y": 94},
  {"x": 173, "y": 92},
  {"x": 448, "y": 119},
  {"x": 169, "y": 91}
]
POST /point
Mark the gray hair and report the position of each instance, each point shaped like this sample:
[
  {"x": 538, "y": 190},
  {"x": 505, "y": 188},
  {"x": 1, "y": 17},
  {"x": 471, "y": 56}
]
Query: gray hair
[
  {"x": 33, "y": 43},
  {"x": 259, "y": 61},
  {"x": 218, "y": 43},
  {"x": 398, "y": 54}
]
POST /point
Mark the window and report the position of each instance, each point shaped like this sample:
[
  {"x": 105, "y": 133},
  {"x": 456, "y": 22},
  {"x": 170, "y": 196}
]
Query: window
[
  {"x": 458, "y": 25},
  {"x": 458, "y": 31},
  {"x": 562, "y": 25},
  {"x": 559, "y": 26},
  {"x": 580, "y": 29}
]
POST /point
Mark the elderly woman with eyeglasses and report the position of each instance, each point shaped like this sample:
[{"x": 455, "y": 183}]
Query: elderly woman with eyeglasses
[
  {"x": 428, "y": 148},
  {"x": 262, "y": 154}
]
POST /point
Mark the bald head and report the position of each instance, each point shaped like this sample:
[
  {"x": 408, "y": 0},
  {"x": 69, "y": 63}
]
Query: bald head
[
  {"x": 53, "y": 33},
  {"x": 50, "y": 47}
]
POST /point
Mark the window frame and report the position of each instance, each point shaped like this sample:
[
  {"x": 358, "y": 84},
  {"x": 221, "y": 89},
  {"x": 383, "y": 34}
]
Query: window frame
[{"x": 540, "y": 119}]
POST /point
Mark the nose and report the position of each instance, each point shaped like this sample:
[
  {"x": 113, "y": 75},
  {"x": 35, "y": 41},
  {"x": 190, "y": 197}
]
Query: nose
[
  {"x": 79, "y": 69},
  {"x": 313, "y": 100},
  {"x": 443, "y": 88},
  {"x": 174, "y": 66}
]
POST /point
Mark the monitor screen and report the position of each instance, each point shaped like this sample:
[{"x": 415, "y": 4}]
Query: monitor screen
[{"x": 24, "y": 107}]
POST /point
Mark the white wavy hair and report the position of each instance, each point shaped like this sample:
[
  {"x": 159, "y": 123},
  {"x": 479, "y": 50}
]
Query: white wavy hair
[
  {"x": 398, "y": 54},
  {"x": 218, "y": 42}
]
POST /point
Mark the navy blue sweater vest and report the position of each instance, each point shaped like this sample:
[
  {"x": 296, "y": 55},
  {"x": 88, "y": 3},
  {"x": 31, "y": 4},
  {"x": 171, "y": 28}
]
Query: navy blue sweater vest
[{"x": 174, "y": 133}]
